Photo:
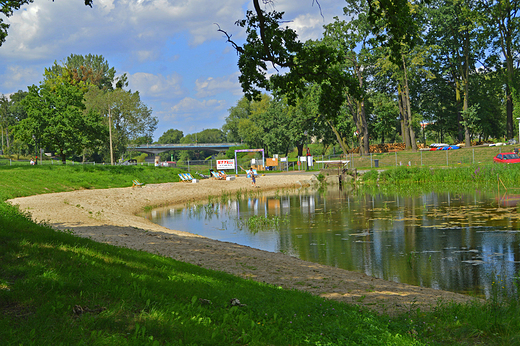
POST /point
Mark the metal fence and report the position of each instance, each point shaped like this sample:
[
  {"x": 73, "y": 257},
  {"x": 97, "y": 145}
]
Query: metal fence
[
  {"x": 445, "y": 158},
  {"x": 374, "y": 160}
]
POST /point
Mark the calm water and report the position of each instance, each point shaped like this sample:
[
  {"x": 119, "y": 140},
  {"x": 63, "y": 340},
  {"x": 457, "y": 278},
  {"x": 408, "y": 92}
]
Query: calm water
[{"x": 459, "y": 242}]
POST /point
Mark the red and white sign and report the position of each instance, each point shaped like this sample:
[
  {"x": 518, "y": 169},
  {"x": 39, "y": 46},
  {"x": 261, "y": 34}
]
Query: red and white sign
[{"x": 225, "y": 164}]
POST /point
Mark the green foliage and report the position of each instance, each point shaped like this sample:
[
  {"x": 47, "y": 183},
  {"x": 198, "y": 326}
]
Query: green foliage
[
  {"x": 484, "y": 175},
  {"x": 171, "y": 136},
  {"x": 55, "y": 120},
  {"x": 370, "y": 176},
  {"x": 131, "y": 119},
  {"x": 87, "y": 69}
]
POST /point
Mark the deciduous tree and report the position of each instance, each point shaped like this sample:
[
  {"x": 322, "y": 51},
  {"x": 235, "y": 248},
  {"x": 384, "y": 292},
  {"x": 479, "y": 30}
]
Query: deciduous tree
[{"x": 55, "y": 120}]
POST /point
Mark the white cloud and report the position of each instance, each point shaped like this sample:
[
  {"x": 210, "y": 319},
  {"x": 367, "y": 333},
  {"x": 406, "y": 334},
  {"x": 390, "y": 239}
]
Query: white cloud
[
  {"x": 213, "y": 86},
  {"x": 308, "y": 27},
  {"x": 190, "y": 105},
  {"x": 306, "y": 17},
  {"x": 146, "y": 55},
  {"x": 48, "y": 28},
  {"x": 15, "y": 76},
  {"x": 160, "y": 44},
  {"x": 156, "y": 86}
]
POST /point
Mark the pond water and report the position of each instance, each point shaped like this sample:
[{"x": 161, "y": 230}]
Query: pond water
[{"x": 465, "y": 242}]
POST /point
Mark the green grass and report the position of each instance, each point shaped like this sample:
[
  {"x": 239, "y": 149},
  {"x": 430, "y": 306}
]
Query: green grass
[
  {"x": 58, "y": 289},
  {"x": 479, "y": 175},
  {"x": 17, "y": 181}
]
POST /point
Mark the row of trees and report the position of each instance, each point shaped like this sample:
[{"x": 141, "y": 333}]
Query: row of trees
[
  {"x": 79, "y": 109},
  {"x": 452, "y": 64}
]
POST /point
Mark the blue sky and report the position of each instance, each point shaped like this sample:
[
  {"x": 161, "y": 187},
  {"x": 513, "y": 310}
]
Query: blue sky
[{"x": 171, "y": 50}]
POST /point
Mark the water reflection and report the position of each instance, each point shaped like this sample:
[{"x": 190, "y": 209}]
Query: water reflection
[{"x": 463, "y": 242}]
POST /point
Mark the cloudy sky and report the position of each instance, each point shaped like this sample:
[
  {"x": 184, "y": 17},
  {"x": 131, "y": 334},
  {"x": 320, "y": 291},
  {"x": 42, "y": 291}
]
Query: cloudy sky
[{"x": 171, "y": 49}]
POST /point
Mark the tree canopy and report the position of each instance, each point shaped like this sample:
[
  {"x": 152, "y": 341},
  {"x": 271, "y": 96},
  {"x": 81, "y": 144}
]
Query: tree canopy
[{"x": 55, "y": 120}]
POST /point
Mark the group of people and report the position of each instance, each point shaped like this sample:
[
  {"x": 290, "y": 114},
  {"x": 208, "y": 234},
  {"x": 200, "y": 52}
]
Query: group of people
[
  {"x": 217, "y": 174},
  {"x": 222, "y": 175}
]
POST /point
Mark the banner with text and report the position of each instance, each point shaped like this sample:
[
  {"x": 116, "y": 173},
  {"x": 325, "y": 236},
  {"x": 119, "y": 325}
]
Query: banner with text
[{"x": 225, "y": 164}]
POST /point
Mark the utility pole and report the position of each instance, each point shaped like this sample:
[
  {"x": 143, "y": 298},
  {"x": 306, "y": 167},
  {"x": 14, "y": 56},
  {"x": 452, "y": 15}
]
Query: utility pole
[{"x": 110, "y": 135}]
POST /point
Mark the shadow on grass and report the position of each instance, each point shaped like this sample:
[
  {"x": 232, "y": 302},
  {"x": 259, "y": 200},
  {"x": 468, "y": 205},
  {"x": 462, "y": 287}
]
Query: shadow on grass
[{"x": 56, "y": 288}]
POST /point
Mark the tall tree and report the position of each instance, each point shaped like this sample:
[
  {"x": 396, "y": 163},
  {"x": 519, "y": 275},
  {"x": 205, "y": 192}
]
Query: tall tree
[
  {"x": 502, "y": 25},
  {"x": 351, "y": 40},
  {"x": 242, "y": 110},
  {"x": 455, "y": 30},
  {"x": 269, "y": 43},
  {"x": 55, "y": 120},
  {"x": 4, "y": 119},
  {"x": 124, "y": 113},
  {"x": 84, "y": 70}
]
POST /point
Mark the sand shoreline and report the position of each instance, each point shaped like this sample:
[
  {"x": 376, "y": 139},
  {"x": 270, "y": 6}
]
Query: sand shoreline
[{"x": 110, "y": 216}]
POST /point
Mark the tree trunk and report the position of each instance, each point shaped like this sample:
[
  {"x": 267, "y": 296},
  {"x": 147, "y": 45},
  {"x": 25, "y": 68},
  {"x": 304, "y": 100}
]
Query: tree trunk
[
  {"x": 354, "y": 111},
  {"x": 404, "y": 128},
  {"x": 340, "y": 140},
  {"x": 505, "y": 28},
  {"x": 509, "y": 110},
  {"x": 364, "y": 126},
  {"x": 360, "y": 105},
  {"x": 467, "y": 139},
  {"x": 408, "y": 110},
  {"x": 299, "y": 146}
]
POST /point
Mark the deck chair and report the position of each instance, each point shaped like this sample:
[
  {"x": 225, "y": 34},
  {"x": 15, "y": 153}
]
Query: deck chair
[
  {"x": 217, "y": 176},
  {"x": 188, "y": 176},
  {"x": 136, "y": 183},
  {"x": 184, "y": 177}
]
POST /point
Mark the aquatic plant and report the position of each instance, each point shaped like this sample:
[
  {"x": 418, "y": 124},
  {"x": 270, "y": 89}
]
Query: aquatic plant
[
  {"x": 258, "y": 223},
  {"x": 370, "y": 176}
]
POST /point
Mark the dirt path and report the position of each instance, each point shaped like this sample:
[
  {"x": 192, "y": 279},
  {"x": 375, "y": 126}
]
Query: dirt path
[{"x": 109, "y": 216}]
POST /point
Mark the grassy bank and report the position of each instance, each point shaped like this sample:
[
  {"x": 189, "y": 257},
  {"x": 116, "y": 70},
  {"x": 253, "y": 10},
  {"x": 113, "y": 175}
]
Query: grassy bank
[
  {"x": 56, "y": 288},
  {"x": 489, "y": 175},
  {"x": 17, "y": 181}
]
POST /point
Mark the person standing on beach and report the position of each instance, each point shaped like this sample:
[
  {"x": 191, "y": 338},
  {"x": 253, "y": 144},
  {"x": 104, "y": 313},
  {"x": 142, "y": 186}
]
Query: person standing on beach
[{"x": 252, "y": 173}]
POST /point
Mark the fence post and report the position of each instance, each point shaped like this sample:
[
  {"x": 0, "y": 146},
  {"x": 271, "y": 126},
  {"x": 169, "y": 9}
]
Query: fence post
[
  {"x": 395, "y": 152},
  {"x": 447, "y": 162},
  {"x": 370, "y": 160},
  {"x": 188, "y": 165}
]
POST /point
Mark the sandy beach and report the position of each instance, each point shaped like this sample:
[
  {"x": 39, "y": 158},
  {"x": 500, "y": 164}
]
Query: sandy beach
[{"x": 110, "y": 216}]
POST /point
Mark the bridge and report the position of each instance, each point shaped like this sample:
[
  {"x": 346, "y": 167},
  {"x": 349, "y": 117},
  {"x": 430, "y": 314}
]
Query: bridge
[{"x": 155, "y": 149}]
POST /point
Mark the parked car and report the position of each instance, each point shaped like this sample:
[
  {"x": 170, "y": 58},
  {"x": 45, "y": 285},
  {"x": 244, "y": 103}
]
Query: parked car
[{"x": 507, "y": 158}]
